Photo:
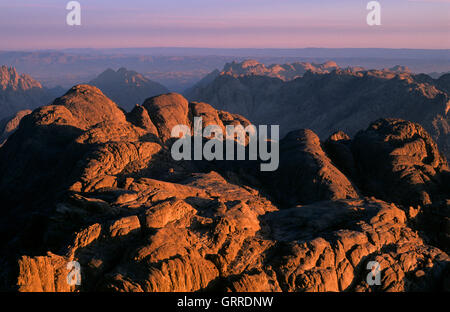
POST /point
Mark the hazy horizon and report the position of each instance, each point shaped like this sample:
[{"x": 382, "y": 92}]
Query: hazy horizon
[
  {"x": 86, "y": 48},
  {"x": 405, "y": 24}
]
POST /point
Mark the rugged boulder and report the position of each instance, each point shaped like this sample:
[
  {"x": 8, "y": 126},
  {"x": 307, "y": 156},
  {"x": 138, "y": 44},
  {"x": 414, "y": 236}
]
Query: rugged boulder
[
  {"x": 306, "y": 174},
  {"x": 167, "y": 111},
  {"x": 89, "y": 106},
  {"x": 399, "y": 162}
]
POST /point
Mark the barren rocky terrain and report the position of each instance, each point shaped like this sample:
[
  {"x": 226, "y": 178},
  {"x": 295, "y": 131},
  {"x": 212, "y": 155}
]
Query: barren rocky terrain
[
  {"x": 326, "y": 98},
  {"x": 82, "y": 180}
]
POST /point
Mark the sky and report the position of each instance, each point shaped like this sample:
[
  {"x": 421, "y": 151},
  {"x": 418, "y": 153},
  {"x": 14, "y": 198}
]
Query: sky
[{"x": 41, "y": 24}]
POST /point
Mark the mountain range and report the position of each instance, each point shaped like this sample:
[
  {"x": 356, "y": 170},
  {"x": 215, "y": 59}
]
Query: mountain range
[
  {"x": 326, "y": 98},
  {"x": 180, "y": 68},
  {"x": 284, "y": 71},
  {"x": 363, "y": 176}
]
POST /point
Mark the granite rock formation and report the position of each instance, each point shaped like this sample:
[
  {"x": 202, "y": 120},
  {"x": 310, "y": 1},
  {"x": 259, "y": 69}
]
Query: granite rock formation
[{"x": 80, "y": 180}]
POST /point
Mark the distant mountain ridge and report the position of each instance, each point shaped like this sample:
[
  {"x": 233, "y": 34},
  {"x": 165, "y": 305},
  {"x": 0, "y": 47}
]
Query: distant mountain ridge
[
  {"x": 285, "y": 72},
  {"x": 126, "y": 87},
  {"x": 288, "y": 71},
  {"x": 180, "y": 68},
  {"x": 343, "y": 99}
]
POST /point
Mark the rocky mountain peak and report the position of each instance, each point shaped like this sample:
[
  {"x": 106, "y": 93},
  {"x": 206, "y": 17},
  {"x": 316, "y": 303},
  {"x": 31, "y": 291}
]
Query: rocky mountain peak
[
  {"x": 330, "y": 64},
  {"x": 399, "y": 69},
  {"x": 90, "y": 106},
  {"x": 20, "y": 92},
  {"x": 250, "y": 63},
  {"x": 126, "y": 87},
  {"x": 11, "y": 79}
]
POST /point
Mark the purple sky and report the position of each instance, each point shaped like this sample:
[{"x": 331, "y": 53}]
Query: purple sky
[{"x": 40, "y": 24}]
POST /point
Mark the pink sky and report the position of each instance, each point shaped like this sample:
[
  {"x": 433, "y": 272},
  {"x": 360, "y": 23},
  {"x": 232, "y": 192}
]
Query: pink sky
[{"x": 225, "y": 23}]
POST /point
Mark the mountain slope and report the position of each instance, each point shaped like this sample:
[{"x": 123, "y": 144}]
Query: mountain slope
[
  {"x": 127, "y": 88},
  {"x": 9, "y": 125}
]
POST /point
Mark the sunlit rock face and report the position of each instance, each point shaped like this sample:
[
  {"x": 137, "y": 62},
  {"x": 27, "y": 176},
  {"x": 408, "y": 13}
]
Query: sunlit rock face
[{"x": 80, "y": 180}]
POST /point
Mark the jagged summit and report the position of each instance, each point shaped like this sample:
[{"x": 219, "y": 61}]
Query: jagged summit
[
  {"x": 20, "y": 92},
  {"x": 281, "y": 71},
  {"x": 11, "y": 79}
]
